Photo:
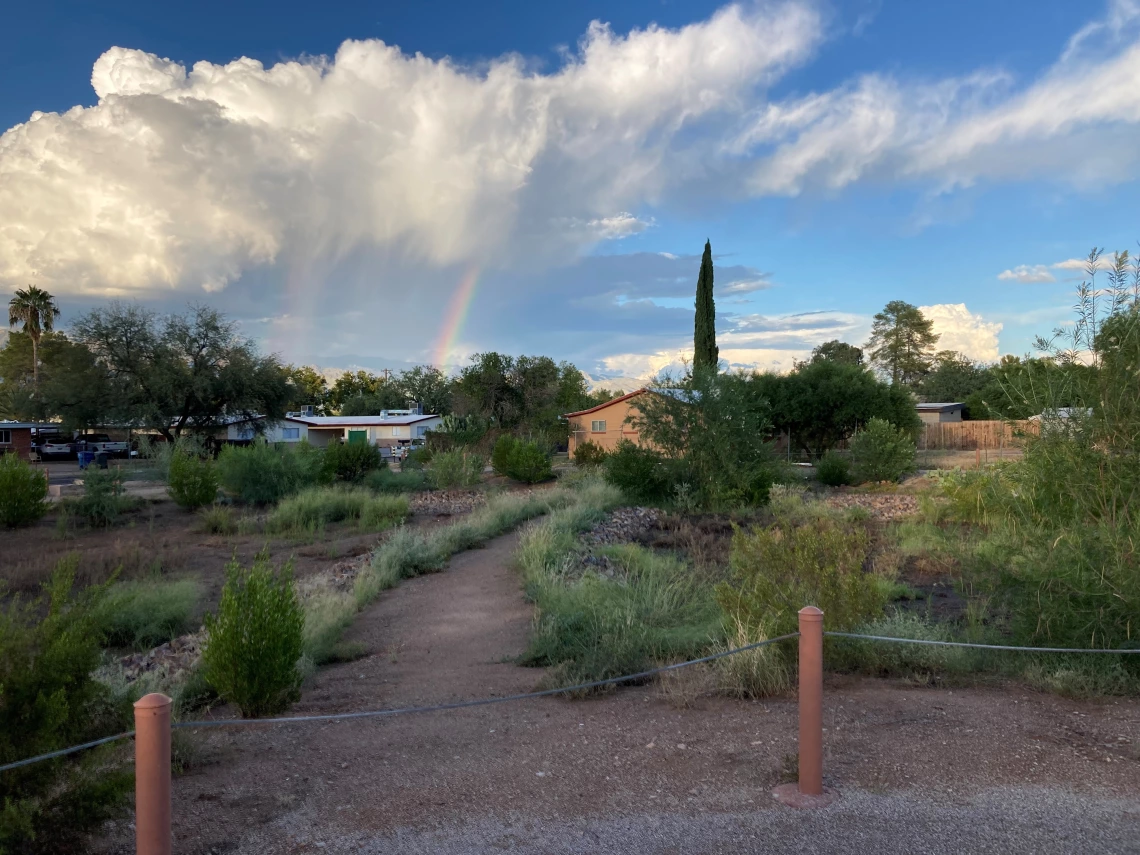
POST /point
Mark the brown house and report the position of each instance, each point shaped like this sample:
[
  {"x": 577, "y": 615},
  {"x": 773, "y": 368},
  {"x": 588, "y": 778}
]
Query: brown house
[
  {"x": 16, "y": 438},
  {"x": 605, "y": 425}
]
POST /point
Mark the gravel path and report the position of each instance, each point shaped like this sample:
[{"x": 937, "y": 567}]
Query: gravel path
[{"x": 918, "y": 769}]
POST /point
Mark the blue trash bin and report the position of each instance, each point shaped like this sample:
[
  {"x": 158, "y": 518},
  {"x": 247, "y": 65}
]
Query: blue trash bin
[{"x": 85, "y": 458}]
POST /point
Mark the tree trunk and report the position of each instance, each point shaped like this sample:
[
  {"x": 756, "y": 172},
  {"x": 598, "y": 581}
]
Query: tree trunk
[{"x": 35, "y": 364}]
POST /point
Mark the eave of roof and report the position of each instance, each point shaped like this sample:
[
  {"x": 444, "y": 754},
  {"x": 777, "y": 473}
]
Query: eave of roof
[{"x": 617, "y": 400}]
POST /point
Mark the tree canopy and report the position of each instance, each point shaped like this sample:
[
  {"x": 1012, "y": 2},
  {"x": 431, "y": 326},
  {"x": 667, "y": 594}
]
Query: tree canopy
[
  {"x": 36, "y": 310},
  {"x": 705, "y": 352},
  {"x": 837, "y": 351},
  {"x": 902, "y": 343}
]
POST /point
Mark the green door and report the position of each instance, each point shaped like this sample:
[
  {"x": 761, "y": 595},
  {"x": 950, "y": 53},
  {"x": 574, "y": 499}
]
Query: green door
[{"x": 357, "y": 437}]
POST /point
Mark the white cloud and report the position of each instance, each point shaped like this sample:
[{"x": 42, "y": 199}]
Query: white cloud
[
  {"x": 746, "y": 286},
  {"x": 1028, "y": 274},
  {"x": 964, "y": 331},
  {"x": 186, "y": 179},
  {"x": 1078, "y": 264}
]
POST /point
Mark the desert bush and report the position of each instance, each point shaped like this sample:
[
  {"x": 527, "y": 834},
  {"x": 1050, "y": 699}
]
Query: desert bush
[
  {"x": 352, "y": 461},
  {"x": 218, "y": 519},
  {"x": 833, "y": 469},
  {"x": 521, "y": 460},
  {"x": 261, "y": 474},
  {"x": 145, "y": 614},
  {"x": 255, "y": 639},
  {"x": 920, "y": 662},
  {"x": 327, "y": 615},
  {"x": 641, "y": 473},
  {"x": 881, "y": 452},
  {"x": 589, "y": 454},
  {"x": 777, "y": 570},
  {"x": 49, "y": 701},
  {"x": 23, "y": 492},
  {"x": 417, "y": 459},
  {"x": 457, "y": 468},
  {"x": 192, "y": 480},
  {"x": 386, "y": 481},
  {"x": 757, "y": 673},
  {"x": 102, "y": 501},
  {"x": 314, "y": 508}
]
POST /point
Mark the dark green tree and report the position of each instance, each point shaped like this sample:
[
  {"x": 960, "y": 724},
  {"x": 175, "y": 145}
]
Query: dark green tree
[
  {"x": 705, "y": 352},
  {"x": 838, "y": 351},
  {"x": 427, "y": 386},
  {"x": 902, "y": 343},
  {"x": 308, "y": 387},
  {"x": 953, "y": 378}
]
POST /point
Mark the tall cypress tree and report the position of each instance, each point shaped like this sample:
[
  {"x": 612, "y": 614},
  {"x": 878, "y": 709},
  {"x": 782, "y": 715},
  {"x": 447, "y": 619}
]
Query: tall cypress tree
[{"x": 705, "y": 351}]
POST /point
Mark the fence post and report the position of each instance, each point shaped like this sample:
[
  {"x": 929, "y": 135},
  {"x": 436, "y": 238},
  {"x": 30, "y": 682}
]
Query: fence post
[
  {"x": 811, "y": 701},
  {"x": 152, "y": 775}
]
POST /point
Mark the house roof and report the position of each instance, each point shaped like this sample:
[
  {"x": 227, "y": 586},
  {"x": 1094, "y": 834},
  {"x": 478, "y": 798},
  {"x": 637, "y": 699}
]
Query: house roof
[
  {"x": 6, "y": 425},
  {"x": 937, "y": 408},
  {"x": 617, "y": 400},
  {"x": 357, "y": 421}
]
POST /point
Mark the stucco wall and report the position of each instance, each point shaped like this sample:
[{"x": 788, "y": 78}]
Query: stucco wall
[{"x": 614, "y": 415}]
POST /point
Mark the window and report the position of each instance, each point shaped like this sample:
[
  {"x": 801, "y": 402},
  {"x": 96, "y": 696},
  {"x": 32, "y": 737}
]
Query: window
[
  {"x": 598, "y": 426},
  {"x": 421, "y": 430},
  {"x": 5, "y": 437},
  {"x": 290, "y": 433},
  {"x": 245, "y": 433},
  {"x": 397, "y": 431}
]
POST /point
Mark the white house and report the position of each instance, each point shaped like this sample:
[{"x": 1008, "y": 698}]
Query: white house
[{"x": 393, "y": 428}]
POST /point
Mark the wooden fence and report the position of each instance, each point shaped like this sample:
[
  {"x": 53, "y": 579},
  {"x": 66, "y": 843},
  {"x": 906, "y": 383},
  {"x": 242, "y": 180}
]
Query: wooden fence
[{"x": 967, "y": 436}]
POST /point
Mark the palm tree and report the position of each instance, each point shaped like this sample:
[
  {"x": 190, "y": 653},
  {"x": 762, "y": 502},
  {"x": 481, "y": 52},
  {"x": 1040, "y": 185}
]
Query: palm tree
[{"x": 35, "y": 308}]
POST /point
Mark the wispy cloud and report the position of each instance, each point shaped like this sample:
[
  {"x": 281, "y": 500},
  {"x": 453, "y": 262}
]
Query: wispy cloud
[{"x": 1028, "y": 274}]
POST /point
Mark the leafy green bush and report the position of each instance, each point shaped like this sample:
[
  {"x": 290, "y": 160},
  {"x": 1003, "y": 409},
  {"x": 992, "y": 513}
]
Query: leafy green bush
[
  {"x": 833, "y": 470},
  {"x": 501, "y": 455},
  {"x": 641, "y": 473},
  {"x": 590, "y": 453},
  {"x": 145, "y": 614},
  {"x": 881, "y": 452},
  {"x": 192, "y": 480},
  {"x": 262, "y": 474},
  {"x": 529, "y": 463},
  {"x": 416, "y": 459},
  {"x": 314, "y": 508},
  {"x": 218, "y": 519},
  {"x": 103, "y": 498},
  {"x": 50, "y": 701},
  {"x": 256, "y": 638},
  {"x": 352, "y": 461},
  {"x": 456, "y": 468},
  {"x": 23, "y": 492},
  {"x": 386, "y": 481},
  {"x": 777, "y": 570}
]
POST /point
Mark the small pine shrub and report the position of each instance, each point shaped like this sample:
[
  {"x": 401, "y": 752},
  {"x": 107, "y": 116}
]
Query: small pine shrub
[
  {"x": 50, "y": 701},
  {"x": 590, "y": 453},
  {"x": 529, "y": 463},
  {"x": 641, "y": 473},
  {"x": 881, "y": 452},
  {"x": 833, "y": 470},
  {"x": 256, "y": 639},
  {"x": 103, "y": 498},
  {"x": 457, "y": 468},
  {"x": 501, "y": 454},
  {"x": 777, "y": 570},
  {"x": 192, "y": 480},
  {"x": 352, "y": 461},
  {"x": 23, "y": 492},
  {"x": 218, "y": 519},
  {"x": 145, "y": 614}
]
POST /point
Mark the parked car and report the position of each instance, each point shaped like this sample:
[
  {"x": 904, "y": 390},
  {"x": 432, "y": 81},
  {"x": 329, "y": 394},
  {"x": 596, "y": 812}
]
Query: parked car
[
  {"x": 102, "y": 442},
  {"x": 56, "y": 448}
]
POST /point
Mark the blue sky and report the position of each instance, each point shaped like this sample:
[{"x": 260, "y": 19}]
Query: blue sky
[{"x": 334, "y": 195}]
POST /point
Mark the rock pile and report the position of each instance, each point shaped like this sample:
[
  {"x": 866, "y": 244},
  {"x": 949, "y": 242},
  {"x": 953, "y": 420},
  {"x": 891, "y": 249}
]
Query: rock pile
[
  {"x": 625, "y": 525},
  {"x": 167, "y": 660},
  {"x": 886, "y": 506},
  {"x": 446, "y": 502}
]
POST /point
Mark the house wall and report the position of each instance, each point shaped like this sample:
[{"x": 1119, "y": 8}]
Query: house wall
[
  {"x": 614, "y": 415},
  {"x": 929, "y": 418},
  {"x": 21, "y": 442}
]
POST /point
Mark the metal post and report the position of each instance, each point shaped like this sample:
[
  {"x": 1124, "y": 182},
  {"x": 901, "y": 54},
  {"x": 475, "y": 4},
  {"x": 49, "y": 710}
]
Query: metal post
[
  {"x": 811, "y": 701},
  {"x": 152, "y": 775}
]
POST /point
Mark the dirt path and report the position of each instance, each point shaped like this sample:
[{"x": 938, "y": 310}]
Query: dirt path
[{"x": 920, "y": 770}]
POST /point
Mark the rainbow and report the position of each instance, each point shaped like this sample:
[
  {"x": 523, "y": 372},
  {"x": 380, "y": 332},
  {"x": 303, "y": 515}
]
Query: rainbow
[{"x": 454, "y": 318}]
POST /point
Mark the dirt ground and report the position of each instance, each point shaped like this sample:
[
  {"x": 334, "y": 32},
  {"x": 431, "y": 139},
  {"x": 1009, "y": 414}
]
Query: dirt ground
[{"x": 917, "y": 769}]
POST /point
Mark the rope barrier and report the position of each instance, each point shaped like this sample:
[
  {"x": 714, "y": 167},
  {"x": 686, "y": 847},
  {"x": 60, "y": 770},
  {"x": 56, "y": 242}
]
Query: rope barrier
[
  {"x": 481, "y": 702},
  {"x": 980, "y": 646}
]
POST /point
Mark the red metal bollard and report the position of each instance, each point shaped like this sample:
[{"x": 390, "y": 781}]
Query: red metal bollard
[
  {"x": 152, "y": 775},
  {"x": 811, "y": 701}
]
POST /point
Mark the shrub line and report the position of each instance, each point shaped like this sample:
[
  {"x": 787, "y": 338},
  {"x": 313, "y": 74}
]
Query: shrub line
[{"x": 982, "y": 646}]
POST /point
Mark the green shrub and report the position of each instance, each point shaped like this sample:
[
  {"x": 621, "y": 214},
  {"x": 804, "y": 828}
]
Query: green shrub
[
  {"x": 589, "y": 453},
  {"x": 757, "y": 673},
  {"x": 352, "y": 461},
  {"x": 881, "y": 452},
  {"x": 314, "y": 508},
  {"x": 416, "y": 459},
  {"x": 50, "y": 701},
  {"x": 23, "y": 492},
  {"x": 145, "y": 614},
  {"x": 641, "y": 473},
  {"x": 256, "y": 638},
  {"x": 777, "y": 570},
  {"x": 884, "y": 659},
  {"x": 501, "y": 454},
  {"x": 262, "y": 474},
  {"x": 456, "y": 468},
  {"x": 218, "y": 519},
  {"x": 833, "y": 470},
  {"x": 521, "y": 460},
  {"x": 103, "y": 498},
  {"x": 386, "y": 481},
  {"x": 193, "y": 481}
]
